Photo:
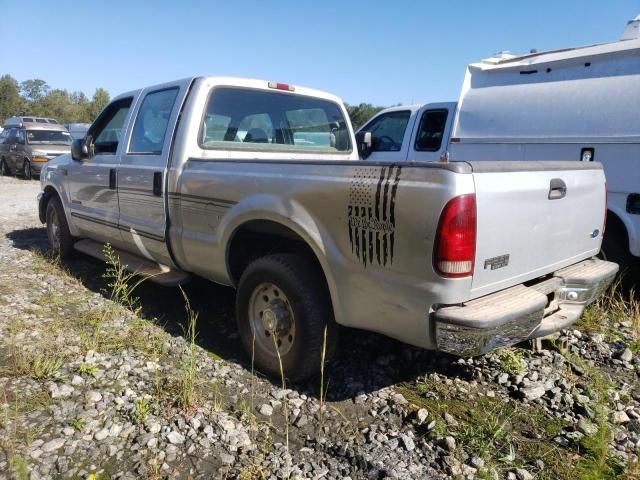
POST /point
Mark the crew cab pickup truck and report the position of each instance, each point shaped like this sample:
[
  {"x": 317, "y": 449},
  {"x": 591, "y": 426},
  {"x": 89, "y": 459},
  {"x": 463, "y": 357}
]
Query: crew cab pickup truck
[{"x": 260, "y": 185}]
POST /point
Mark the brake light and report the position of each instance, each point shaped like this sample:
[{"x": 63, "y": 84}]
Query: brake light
[
  {"x": 455, "y": 247},
  {"x": 281, "y": 86}
]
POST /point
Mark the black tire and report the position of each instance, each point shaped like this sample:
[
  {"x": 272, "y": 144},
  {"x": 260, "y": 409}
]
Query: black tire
[
  {"x": 615, "y": 248},
  {"x": 303, "y": 285},
  {"x": 26, "y": 170},
  {"x": 62, "y": 242},
  {"x": 4, "y": 169}
]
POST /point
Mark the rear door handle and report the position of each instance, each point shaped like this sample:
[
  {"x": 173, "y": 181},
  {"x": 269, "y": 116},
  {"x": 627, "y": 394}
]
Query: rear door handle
[
  {"x": 157, "y": 184},
  {"x": 112, "y": 179},
  {"x": 557, "y": 189}
]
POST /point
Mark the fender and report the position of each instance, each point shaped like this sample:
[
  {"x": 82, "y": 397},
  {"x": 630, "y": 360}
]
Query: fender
[
  {"x": 51, "y": 183},
  {"x": 632, "y": 234},
  {"x": 294, "y": 216}
]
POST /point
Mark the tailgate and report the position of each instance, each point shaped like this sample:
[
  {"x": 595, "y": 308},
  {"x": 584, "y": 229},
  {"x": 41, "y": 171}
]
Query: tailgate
[{"x": 534, "y": 218}]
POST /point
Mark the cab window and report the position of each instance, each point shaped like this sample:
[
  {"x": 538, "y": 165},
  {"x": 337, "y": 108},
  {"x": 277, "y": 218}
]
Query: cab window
[
  {"x": 387, "y": 131},
  {"x": 150, "y": 128},
  {"x": 107, "y": 129},
  {"x": 431, "y": 130}
]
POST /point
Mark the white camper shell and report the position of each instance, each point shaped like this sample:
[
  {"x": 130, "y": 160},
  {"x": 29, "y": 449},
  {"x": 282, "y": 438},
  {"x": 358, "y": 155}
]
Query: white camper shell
[{"x": 572, "y": 104}]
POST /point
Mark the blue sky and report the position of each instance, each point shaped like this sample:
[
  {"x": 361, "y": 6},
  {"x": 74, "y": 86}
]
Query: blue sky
[{"x": 365, "y": 51}]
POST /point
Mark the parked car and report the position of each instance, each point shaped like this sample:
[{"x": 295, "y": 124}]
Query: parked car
[
  {"x": 77, "y": 130},
  {"x": 571, "y": 104},
  {"x": 259, "y": 186},
  {"x": 27, "y": 143}
]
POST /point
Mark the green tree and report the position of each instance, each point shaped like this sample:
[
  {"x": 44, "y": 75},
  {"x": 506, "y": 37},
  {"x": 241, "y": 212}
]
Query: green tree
[
  {"x": 34, "y": 90},
  {"x": 98, "y": 102},
  {"x": 359, "y": 114},
  {"x": 55, "y": 104},
  {"x": 11, "y": 103}
]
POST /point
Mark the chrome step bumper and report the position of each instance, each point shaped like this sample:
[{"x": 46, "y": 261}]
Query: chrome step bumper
[{"x": 522, "y": 312}]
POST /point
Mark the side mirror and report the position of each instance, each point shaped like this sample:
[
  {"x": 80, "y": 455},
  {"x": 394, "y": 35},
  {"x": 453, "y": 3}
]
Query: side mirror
[
  {"x": 363, "y": 140},
  {"x": 79, "y": 150}
]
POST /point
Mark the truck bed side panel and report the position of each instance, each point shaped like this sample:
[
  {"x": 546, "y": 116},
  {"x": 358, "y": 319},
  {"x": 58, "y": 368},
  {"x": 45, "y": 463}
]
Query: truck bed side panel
[{"x": 370, "y": 225}]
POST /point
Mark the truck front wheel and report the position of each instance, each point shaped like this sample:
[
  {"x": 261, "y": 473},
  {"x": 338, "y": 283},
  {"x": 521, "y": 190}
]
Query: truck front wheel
[
  {"x": 60, "y": 239},
  {"x": 282, "y": 309}
]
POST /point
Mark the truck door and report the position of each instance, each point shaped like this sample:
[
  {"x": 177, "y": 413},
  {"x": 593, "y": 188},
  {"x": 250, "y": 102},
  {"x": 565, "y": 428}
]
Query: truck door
[
  {"x": 92, "y": 182},
  {"x": 142, "y": 171},
  {"x": 431, "y": 132}
]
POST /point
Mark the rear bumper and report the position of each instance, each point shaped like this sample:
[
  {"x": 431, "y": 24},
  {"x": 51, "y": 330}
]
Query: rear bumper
[{"x": 522, "y": 312}]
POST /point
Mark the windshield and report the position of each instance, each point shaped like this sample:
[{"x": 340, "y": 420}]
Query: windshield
[{"x": 49, "y": 137}]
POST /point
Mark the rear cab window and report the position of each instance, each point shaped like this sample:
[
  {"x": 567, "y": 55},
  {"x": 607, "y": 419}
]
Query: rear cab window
[{"x": 251, "y": 119}]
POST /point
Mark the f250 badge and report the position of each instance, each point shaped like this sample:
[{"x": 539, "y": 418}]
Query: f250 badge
[
  {"x": 496, "y": 262},
  {"x": 371, "y": 213}
]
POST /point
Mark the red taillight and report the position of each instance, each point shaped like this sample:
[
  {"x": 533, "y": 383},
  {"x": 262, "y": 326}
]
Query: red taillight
[
  {"x": 281, "y": 86},
  {"x": 455, "y": 246}
]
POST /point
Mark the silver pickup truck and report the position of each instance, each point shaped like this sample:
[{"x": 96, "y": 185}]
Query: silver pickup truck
[{"x": 259, "y": 185}]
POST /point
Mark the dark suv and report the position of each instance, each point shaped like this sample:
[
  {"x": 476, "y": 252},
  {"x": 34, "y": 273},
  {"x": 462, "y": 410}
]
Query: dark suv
[{"x": 27, "y": 143}]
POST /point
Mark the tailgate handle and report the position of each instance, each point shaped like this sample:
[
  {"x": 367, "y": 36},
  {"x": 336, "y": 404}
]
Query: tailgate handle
[{"x": 557, "y": 189}]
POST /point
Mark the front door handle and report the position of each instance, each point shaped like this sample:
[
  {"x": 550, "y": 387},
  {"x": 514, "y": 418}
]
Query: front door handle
[
  {"x": 157, "y": 184},
  {"x": 557, "y": 189},
  {"x": 112, "y": 179}
]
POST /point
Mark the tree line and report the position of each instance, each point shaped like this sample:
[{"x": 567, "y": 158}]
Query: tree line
[
  {"x": 359, "y": 114},
  {"x": 36, "y": 98}
]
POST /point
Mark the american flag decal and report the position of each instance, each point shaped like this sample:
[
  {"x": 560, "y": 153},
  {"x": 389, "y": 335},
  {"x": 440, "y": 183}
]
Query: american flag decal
[{"x": 371, "y": 213}]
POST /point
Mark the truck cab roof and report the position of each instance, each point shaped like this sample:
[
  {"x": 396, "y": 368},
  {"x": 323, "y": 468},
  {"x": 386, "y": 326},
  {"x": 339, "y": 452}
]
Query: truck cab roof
[{"x": 244, "y": 82}]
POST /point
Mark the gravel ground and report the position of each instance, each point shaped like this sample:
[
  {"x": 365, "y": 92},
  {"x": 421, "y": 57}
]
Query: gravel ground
[{"x": 91, "y": 389}]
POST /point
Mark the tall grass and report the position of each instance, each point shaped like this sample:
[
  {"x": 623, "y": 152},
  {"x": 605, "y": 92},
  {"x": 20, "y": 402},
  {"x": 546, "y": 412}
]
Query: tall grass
[
  {"x": 285, "y": 402},
  {"x": 188, "y": 374}
]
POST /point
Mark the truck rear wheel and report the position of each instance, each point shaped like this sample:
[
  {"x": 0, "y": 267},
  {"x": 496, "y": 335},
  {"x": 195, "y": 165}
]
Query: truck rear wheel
[
  {"x": 60, "y": 239},
  {"x": 283, "y": 303}
]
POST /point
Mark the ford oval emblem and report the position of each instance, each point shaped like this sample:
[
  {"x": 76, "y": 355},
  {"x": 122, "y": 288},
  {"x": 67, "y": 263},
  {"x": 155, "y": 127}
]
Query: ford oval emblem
[{"x": 595, "y": 233}]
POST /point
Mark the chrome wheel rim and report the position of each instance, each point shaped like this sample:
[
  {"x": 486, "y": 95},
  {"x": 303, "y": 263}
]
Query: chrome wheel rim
[
  {"x": 272, "y": 320},
  {"x": 54, "y": 230},
  {"x": 27, "y": 170}
]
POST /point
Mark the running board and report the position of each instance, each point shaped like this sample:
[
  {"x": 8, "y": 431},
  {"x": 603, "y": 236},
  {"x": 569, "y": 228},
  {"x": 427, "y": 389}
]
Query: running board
[{"x": 155, "y": 272}]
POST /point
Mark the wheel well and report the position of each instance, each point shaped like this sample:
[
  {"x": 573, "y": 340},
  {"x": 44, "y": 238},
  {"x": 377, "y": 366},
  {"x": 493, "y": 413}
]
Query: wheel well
[
  {"x": 49, "y": 193},
  {"x": 258, "y": 238},
  {"x": 616, "y": 228}
]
